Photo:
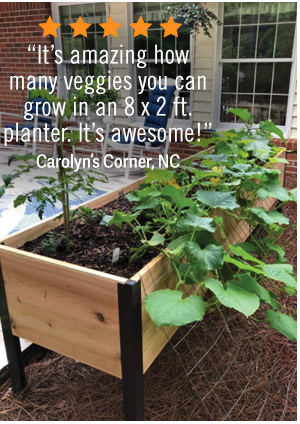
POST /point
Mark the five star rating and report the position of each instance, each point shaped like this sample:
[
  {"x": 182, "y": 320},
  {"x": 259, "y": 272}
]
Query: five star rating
[{"x": 110, "y": 27}]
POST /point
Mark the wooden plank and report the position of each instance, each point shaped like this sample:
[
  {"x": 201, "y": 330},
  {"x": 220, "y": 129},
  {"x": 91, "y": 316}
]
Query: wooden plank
[
  {"x": 56, "y": 305},
  {"x": 21, "y": 237},
  {"x": 154, "y": 276}
]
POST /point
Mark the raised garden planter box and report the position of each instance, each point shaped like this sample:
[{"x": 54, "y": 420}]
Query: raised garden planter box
[{"x": 96, "y": 318}]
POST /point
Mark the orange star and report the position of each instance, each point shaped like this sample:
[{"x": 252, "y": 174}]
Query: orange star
[
  {"x": 110, "y": 27},
  {"x": 140, "y": 27},
  {"x": 170, "y": 27},
  {"x": 49, "y": 27},
  {"x": 80, "y": 27}
]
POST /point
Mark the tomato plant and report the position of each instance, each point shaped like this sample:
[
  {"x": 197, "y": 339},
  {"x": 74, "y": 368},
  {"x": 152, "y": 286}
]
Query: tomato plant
[{"x": 65, "y": 182}]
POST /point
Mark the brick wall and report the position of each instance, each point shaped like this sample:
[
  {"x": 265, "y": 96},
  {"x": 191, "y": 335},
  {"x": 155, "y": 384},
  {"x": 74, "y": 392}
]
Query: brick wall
[
  {"x": 291, "y": 155},
  {"x": 19, "y": 28}
]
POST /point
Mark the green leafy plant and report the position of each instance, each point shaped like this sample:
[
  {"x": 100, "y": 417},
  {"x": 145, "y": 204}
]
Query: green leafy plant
[
  {"x": 194, "y": 15},
  {"x": 51, "y": 242},
  {"x": 182, "y": 215},
  {"x": 87, "y": 215},
  {"x": 58, "y": 188}
]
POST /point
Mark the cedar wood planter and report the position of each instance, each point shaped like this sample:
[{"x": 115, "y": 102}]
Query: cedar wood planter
[{"x": 96, "y": 318}]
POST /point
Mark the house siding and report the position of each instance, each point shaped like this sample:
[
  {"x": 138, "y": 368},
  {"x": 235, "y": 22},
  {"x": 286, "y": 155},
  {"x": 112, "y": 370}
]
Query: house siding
[
  {"x": 293, "y": 133},
  {"x": 119, "y": 12},
  {"x": 204, "y": 62}
]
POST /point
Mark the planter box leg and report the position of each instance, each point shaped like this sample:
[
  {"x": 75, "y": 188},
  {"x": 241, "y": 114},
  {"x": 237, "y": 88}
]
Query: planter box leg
[
  {"x": 130, "y": 321},
  {"x": 12, "y": 344}
]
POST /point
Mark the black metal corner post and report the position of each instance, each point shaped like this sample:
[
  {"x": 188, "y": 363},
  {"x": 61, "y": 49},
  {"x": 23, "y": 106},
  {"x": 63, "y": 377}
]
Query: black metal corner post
[
  {"x": 130, "y": 322},
  {"x": 12, "y": 343}
]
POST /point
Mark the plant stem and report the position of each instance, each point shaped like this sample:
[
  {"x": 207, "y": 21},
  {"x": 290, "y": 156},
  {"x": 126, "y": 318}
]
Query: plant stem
[{"x": 64, "y": 186}]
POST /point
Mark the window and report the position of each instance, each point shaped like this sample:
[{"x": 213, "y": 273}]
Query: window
[
  {"x": 155, "y": 13},
  {"x": 256, "y": 59},
  {"x": 93, "y": 13}
]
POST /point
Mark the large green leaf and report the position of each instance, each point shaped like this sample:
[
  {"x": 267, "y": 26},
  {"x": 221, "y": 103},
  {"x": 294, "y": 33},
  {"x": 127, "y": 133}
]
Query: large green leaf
[
  {"x": 284, "y": 324},
  {"x": 147, "y": 203},
  {"x": 192, "y": 221},
  {"x": 293, "y": 195},
  {"x": 259, "y": 147},
  {"x": 282, "y": 273},
  {"x": 242, "y": 265},
  {"x": 243, "y": 114},
  {"x": 278, "y": 272},
  {"x": 119, "y": 218},
  {"x": 233, "y": 296},
  {"x": 271, "y": 217},
  {"x": 177, "y": 196},
  {"x": 201, "y": 174},
  {"x": 239, "y": 251},
  {"x": 209, "y": 258},
  {"x": 276, "y": 159},
  {"x": 145, "y": 193},
  {"x": 254, "y": 173},
  {"x": 166, "y": 307},
  {"x": 214, "y": 158},
  {"x": 159, "y": 175},
  {"x": 216, "y": 199},
  {"x": 273, "y": 190},
  {"x": 250, "y": 284},
  {"x": 176, "y": 246},
  {"x": 156, "y": 239},
  {"x": 271, "y": 127}
]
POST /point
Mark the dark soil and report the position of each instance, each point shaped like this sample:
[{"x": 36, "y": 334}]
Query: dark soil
[{"x": 93, "y": 244}]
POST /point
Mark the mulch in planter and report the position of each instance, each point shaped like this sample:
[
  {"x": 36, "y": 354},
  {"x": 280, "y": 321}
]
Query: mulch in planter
[
  {"x": 93, "y": 244},
  {"x": 248, "y": 374}
]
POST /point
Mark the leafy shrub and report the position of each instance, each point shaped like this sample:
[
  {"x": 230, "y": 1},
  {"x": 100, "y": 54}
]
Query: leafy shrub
[
  {"x": 196, "y": 16},
  {"x": 182, "y": 214}
]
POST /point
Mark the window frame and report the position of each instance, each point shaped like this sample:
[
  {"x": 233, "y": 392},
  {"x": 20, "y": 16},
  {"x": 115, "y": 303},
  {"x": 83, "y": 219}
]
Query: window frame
[
  {"x": 183, "y": 123},
  {"x": 62, "y": 68},
  {"x": 219, "y": 125}
]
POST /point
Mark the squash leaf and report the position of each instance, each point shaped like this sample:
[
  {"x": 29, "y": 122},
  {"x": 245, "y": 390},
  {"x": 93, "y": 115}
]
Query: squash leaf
[
  {"x": 284, "y": 324},
  {"x": 166, "y": 307},
  {"x": 209, "y": 258},
  {"x": 271, "y": 217},
  {"x": 216, "y": 199},
  {"x": 191, "y": 221},
  {"x": 233, "y": 296}
]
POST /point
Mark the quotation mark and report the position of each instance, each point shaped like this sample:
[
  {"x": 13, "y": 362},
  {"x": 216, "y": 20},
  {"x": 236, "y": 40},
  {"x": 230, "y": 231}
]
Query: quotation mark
[
  {"x": 207, "y": 125},
  {"x": 31, "y": 48}
]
